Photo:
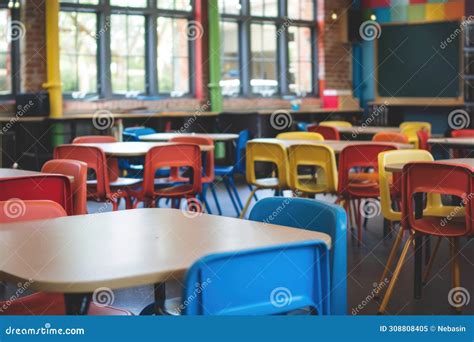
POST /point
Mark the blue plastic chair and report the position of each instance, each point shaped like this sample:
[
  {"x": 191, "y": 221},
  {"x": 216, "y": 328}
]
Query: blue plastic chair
[
  {"x": 134, "y": 133},
  {"x": 316, "y": 216},
  {"x": 227, "y": 173},
  {"x": 302, "y": 126},
  {"x": 265, "y": 281}
]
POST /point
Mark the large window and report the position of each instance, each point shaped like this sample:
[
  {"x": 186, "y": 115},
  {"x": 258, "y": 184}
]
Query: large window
[
  {"x": 268, "y": 47},
  {"x": 126, "y": 48},
  {"x": 11, "y": 33}
]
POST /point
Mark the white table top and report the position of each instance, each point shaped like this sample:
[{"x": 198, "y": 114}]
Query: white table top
[
  {"x": 168, "y": 136},
  {"x": 453, "y": 142},
  {"x": 12, "y": 173},
  {"x": 78, "y": 254},
  {"x": 399, "y": 166}
]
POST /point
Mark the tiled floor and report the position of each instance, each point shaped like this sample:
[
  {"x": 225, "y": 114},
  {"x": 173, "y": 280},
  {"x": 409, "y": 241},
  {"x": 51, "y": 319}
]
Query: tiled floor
[{"x": 365, "y": 265}]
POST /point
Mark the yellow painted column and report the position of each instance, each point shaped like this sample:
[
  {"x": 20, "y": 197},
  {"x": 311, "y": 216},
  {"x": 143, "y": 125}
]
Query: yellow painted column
[{"x": 53, "y": 84}]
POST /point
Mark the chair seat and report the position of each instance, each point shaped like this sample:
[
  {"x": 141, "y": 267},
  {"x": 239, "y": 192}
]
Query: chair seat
[
  {"x": 224, "y": 170},
  {"x": 269, "y": 183},
  {"x": 451, "y": 228},
  {"x": 364, "y": 189},
  {"x": 119, "y": 182},
  {"x": 364, "y": 176},
  {"x": 52, "y": 304},
  {"x": 310, "y": 186},
  {"x": 445, "y": 211}
]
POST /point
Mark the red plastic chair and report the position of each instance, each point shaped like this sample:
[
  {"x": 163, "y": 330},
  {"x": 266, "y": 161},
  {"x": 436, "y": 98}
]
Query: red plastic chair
[
  {"x": 112, "y": 163},
  {"x": 41, "y": 303},
  {"x": 461, "y": 133},
  {"x": 444, "y": 179},
  {"x": 423, "y": 137},
  {"x": 170, "y": 156},
  {"x": 54, "y": 188},
  {"x": 355, "y": 186},
  {"x": 78, "y": 170},
  {"x": 390, "y": 137},
  {"x": 100, "y": 189},
  {"x": 329, "y": 133}
]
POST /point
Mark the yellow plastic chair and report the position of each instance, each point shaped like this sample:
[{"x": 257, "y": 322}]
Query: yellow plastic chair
[
  {"x": 320, "y": 156},
  {"x": 300, "y": 136},
  {"x": 434, "y": 206},
  {"x": 410, "y": 128},
  {"x": 335, "y": 124},
  {"x": 269, "y": 152}
]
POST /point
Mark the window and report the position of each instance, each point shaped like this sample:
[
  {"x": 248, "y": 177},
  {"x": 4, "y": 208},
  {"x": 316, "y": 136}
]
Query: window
[
  {"x": 230, "y": 74},
  {"x": 300, "y": 60},
  {"x": 78, "y": 53},
  {"x": 264, "y": 8},
  {"x": 131, "y": 48},
  {"x": 263, "y": 45},
  {"x": 301, "y": 9},
  {"x": 11, "y": 33},
  {"x": 229, "y": 6}
]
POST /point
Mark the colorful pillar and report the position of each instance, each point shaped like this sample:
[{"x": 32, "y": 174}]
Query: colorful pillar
[{"x": 215, "y": 93}]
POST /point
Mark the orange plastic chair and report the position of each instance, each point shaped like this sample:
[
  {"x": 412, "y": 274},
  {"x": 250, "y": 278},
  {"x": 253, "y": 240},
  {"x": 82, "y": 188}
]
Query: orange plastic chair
[
  {"x": 78, "y": 170},
  {"x": 100, "y": 189},
  {"x": 390, "y": 137},
  {"x": 170, "y": 156},
  {"x": 423, "y": 177},
  {"x": 461, "y": 133},
  {"x": 41, "y": 303},
  {"x": 328, "y": 132}
]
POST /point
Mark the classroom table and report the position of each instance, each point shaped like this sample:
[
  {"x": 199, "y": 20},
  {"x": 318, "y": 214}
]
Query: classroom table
[
  {"x": 13, "y": 173},
  {"x": 367, "y": 130},
  {"x": 133, "y": 149},
  {"x": 399, "y": 167},
  {"x": 76, "y": 255},
  {"x": 169, "y": 136},
  {"x": 453, "y": 142},
  {"x": 336, "y": 145}
]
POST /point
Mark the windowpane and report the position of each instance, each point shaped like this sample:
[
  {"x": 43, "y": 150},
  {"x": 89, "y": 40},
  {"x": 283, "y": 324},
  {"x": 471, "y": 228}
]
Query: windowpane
[
  {"x": 229, "y": 6},
  {"x": 230, "y": 74},
  {"x": 128, "y": 54},
  {"x": 264, "y": 8},
  {"x": 128, "y": 3},
  {"x": 78, "y": 49},
  {"x": 300, "y": 66},
  {"x": 5, "y": 53},
  {"x": 301, "y": 9},
  {"x": 173, "y": 56},
  {"x": 264, "y": 79},
  {"x": 81, "y": 2},
  {"x": 179, "y": 5}
]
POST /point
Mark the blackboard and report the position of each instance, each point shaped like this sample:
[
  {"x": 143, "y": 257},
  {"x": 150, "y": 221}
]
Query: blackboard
[{"x": 419, "y": 60}]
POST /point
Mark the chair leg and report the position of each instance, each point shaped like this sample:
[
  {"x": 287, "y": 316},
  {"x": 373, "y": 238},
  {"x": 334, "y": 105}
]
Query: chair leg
[
  {"x": 216, "y": 200},
  {"x": 393, "y": 253},
  {"x": 204, "y": 199},
  {"x": 396, "y": 274},
  {"x": 254, "y": 194},
  {"x": 456, "y": 272},
  {"x": 247, "y": 204},
  {"x": 429, "y": 266},
  {"x": 236, "y": 192},
  {"x": 358, "y": 216},
  {"x": 231, "y": 195}
]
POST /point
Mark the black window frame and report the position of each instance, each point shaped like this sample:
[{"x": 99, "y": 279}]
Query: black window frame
[{"x": 151, "y": 12}]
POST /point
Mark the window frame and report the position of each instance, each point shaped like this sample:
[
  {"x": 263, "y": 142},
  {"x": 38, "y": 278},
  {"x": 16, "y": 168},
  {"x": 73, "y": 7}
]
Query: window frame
[
  {"x": 15, "y": 81},
  {"x": 151, "y": 12},
  {"x": 245, "y": 19}
]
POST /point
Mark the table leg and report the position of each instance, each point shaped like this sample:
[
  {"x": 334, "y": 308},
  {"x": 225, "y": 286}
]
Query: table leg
[
  {"x": 77, "y": 303},
  {"x": 160, "y": 298}
]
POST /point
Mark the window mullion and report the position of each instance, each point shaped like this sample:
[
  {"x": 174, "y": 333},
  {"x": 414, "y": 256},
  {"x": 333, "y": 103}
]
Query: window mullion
[
  {"x": 104, "y": 52},
  {"x": 151, "y": 49},
  {"x": 282, "y": 46},
  {"x": 245, "y": 53}
]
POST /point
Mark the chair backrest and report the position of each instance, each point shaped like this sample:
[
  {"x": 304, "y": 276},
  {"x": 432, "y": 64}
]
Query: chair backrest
[
  {"x": 209, "y": 160},
  {"x": 390, "y": 183},
  {"x": 316, "y": 216},
  {"x": 328, "y": 132},
  {"x": 76, "y": 169},
  {"x": 461, "y": 133},
  {"x": 313, "y": 155},
  {"x": 423, "y": 137},
  {"x": 390, "y": 137},
  {"x": 244, "y": 137},
  {"x": 95, "y": 159},
  {"x": 411, "y": 128},
  {"x": 18, "y": 210},
  {"x": 443, "y": 179},
  {"x": 88, "y": 139},
  {"x": 55, "y": 188},
  {"x": 134, "y": 133},
  {"x": 363, "y": 155},
  {"x": 264, "y": 281},
  {"x": 335, "y": 123},
  {"x": 267, "y": 152},
  {"x": 172, "y": 156},
  {"x": 112, "y": 163},
  {"x": 300, "y": 136}
]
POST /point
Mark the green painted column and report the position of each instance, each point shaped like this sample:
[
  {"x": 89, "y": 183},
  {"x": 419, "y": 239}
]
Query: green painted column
[{"x": 215, "y": 93}]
